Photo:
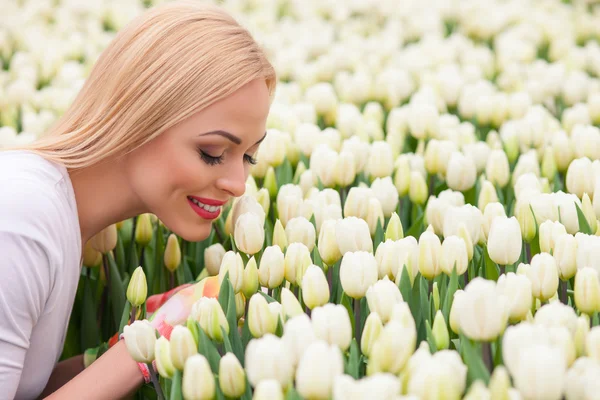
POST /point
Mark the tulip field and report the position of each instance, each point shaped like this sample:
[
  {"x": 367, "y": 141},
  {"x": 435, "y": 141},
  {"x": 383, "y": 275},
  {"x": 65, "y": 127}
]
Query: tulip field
[{"x": 422, "y": 221}]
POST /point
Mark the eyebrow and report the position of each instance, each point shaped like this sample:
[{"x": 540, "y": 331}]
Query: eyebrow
[{"x": 230, "y": 136}]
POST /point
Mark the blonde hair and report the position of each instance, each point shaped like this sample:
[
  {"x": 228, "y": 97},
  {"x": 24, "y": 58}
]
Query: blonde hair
[{"x": 165, "y": 65}]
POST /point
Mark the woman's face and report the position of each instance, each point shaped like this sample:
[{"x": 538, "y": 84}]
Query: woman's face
[{"x": 186, "y": 174}]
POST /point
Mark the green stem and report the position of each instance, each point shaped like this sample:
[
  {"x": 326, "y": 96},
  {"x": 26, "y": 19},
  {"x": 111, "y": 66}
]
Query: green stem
[
  {"x": 357, "y": 319},
  {"x": 159, "y": 393}
]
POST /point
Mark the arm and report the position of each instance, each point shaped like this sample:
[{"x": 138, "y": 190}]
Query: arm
[
  {"x": 62, "y": 373},
  {"x": 114, "y": 375}
]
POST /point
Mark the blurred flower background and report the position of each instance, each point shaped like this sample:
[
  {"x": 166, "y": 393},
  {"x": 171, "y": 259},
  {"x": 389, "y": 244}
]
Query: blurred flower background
[{"x": 422, "y": 221}]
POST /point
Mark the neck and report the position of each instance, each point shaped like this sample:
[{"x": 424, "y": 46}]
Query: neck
[{"x": 103, "y": 197}]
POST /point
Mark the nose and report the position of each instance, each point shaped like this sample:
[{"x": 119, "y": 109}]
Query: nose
[{"x": 234, "y": 180}]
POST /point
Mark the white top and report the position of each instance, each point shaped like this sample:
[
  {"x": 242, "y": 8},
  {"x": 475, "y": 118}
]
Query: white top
[{"x": 40, "y": 265}]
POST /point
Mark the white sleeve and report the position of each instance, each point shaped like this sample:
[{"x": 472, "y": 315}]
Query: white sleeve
[{"x": 24, "y": 289}]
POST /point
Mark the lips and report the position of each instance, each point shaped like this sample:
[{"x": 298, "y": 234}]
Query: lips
[{"x": 206, "y": 208}]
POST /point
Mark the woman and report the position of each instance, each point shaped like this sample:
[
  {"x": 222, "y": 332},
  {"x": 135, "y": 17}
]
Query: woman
[{"x": 167, "y": 123}]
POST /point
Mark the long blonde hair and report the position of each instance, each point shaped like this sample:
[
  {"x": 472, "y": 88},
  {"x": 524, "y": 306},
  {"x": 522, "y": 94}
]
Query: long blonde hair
[{"x": 164, "y": 66}]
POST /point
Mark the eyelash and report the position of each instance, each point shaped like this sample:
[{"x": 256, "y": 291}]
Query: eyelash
[{"x": 210, "y": 160}]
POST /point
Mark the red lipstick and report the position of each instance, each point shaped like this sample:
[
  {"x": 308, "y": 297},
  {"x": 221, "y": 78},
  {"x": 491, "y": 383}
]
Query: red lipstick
[{"x": 203, "y": 212}]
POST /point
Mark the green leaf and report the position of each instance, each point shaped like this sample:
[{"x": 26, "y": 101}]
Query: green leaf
[
  {"x": 246, "y": 335},
  {"x": 472, "y": 358},
  {"x": 379, "y": 234},
  {"x": 176, "y": 386},
  {"x": 117, "y": 290},
  {"x": 317, "y": 258},
  {"x": 89, "y": 328},
  {"x": 279, "y": 329},
  {"x": 405, "y": 288},
  {"x": 266, "y": 296},
  {"x": 353, "y": 365},
  {"x": 430, "y": 338},
  {"x": 415, "y": 303},
  {"x": 125, "y": 316},
  {"x": 424, "y": 297},
  {"x": 492, "y": 272},
  {"x": 292, "y": 394},
  {"x": 346, "y": 301},
  {"x": 226, "y": 342},
  {"x": 208, "y": 349},
  {"x": 584, "y": 227},
  {"x": 224, "y": 291},
  {"x": 233, "y": 247},
  {"x": 417, "y": 228},
  {"x": 449, "y": 298}
]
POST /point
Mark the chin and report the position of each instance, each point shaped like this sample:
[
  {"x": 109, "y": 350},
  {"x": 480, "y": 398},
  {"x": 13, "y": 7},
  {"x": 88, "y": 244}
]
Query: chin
[{"x": 194, "y": 232}]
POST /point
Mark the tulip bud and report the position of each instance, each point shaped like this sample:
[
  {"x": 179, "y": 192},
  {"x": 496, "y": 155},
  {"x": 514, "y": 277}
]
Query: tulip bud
[
  {"x": 269, "y": 358},
  {"x": 549, "y": 233},
  {"x": 382, "y": 296},
  {"x": 392, "y": 349},
  {"x": 296, "y": 261},
  {"x": 172, "y": 256},
  {"x": 477, "y": 391},
  {"x": 279, "y": 237},
  {"x": 268, "y": 389},
  {"x": 549, "y": 168},
  {"x": 249, "y": 233},
  {"x": 91, "y": 257},
  {"x": 487, "y": 195},
  {"x": 332, "y": 324},
  {"x": 263, "y": 198},
  {"x": 260, "y": 318},
  {"x": 418, "y": 191},
  {"x": 394, "y": 229},
  {"x": 565, "y": 254},
  {"x": 580, "y": 178},
  {"x": 588, "y": 212},
  {"x": 540, "y": 359},
  {"x": 198, "y": 382},
  {"x": 440, "y": 332},
  {"x": 526, "y": 220},
  {"x": 372, "y": 329},
  {"x": 517, "y": 290},
  {"x": 213, "y": 256},
  {"x": 345, "y": 169},
  {"x": 162, "y": 353},
  {"x": 482, "y": 315},
  {"x": 593, "y": 343},
  {"x": 581, "y": 332},
  {"x": 402, "y": 176},
  {"x": 384, "y": 190},
  {"x": 106, "y": 240},
  {"x": 250, "y": 281},
  {"x": 301, "y": 230},
  {"x": 491, "y": 211},
  {"x": 461, "y": 173},
  {"x": 140, "y": 339},
  {"x": 357, "y": 202},
  {"x": 505, "y": 241},
  {"x": 232, "y": 263},
  {"x": 380, "y": 162},
  {"x": 497, "y": 169},
  {"x": 317, "y": 370},
  {"x": 543, "y": 275},
  {"x": 464, "y": 234},
  {"x": 430, "y": 250},
  {"x": 240, "y": 305},
  {"x": 327, "y": 245},
  {"x": 374, "y": 215},
  {"x": 182, "y": 346},
  {"x": 232, "y": 378},
  {"x": 289, "y": 303},
  {"x": 587, "y": 290},
  {"x": 358, "y": 271},
  {"x": 455, "y": 311},
  {"x": 209, "y": 314},
  {"x": 270, "y": 271},
  {"x": 499, "y": 384},
  {"x": 315, "y": 289},
  {"x": 137, "y": 289},
  {"x": 247, "y": 204},
  {"x": 352, "y": 234},
  {"x": 270, "y": 183},
  {"x": 143, "y": 229},
  {"x": 454, "y": 255}
]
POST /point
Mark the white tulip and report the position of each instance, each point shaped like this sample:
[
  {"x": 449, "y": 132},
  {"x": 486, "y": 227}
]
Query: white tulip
[
  {"x": 301, "y": 230},
  {"x": 317, "y": 370},
  {"x": 587, "y": 290},
  {"x": 332, "y": 324},
  {"x": 269, "y": 358},
  {"x": 358, "y": 271},
  {"x": 213, "y": 256},
  {"x": 543, "y": 275},
  {"x": 268, "y": 389},
  {"x": 469, "y": 215},
  {"x": 382, "y": 296},
  {"x": 491, "y": 211},
  {"x": 541, "y": 373},
  {"x": 549, "y": 233},
  {"x": 298, "y": 334},
  {"x": 461, "y": 173},
  {"x": 270, "y": 270},
  {"x": 296, "y": 261},
  {"x": 505, "y": 241},
  {"x": 381, "y": 160},
  {"x": 385, "y": 191},
  {"x": 140, "y": 339},
  {"x": 315, "y": 289},
  {"x": 497, "y": 169},
  {"x": 517, "y": 291},
  {"x": 430, "y": 252},
  {"x": 392, "y": 349},
  {"x": 565, "y": 254},
  {"x": 198, "y": 382}
]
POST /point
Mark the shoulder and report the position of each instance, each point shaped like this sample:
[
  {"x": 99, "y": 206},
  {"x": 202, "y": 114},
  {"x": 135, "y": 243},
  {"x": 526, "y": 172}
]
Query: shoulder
[{"x": 32, "y": 200}]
